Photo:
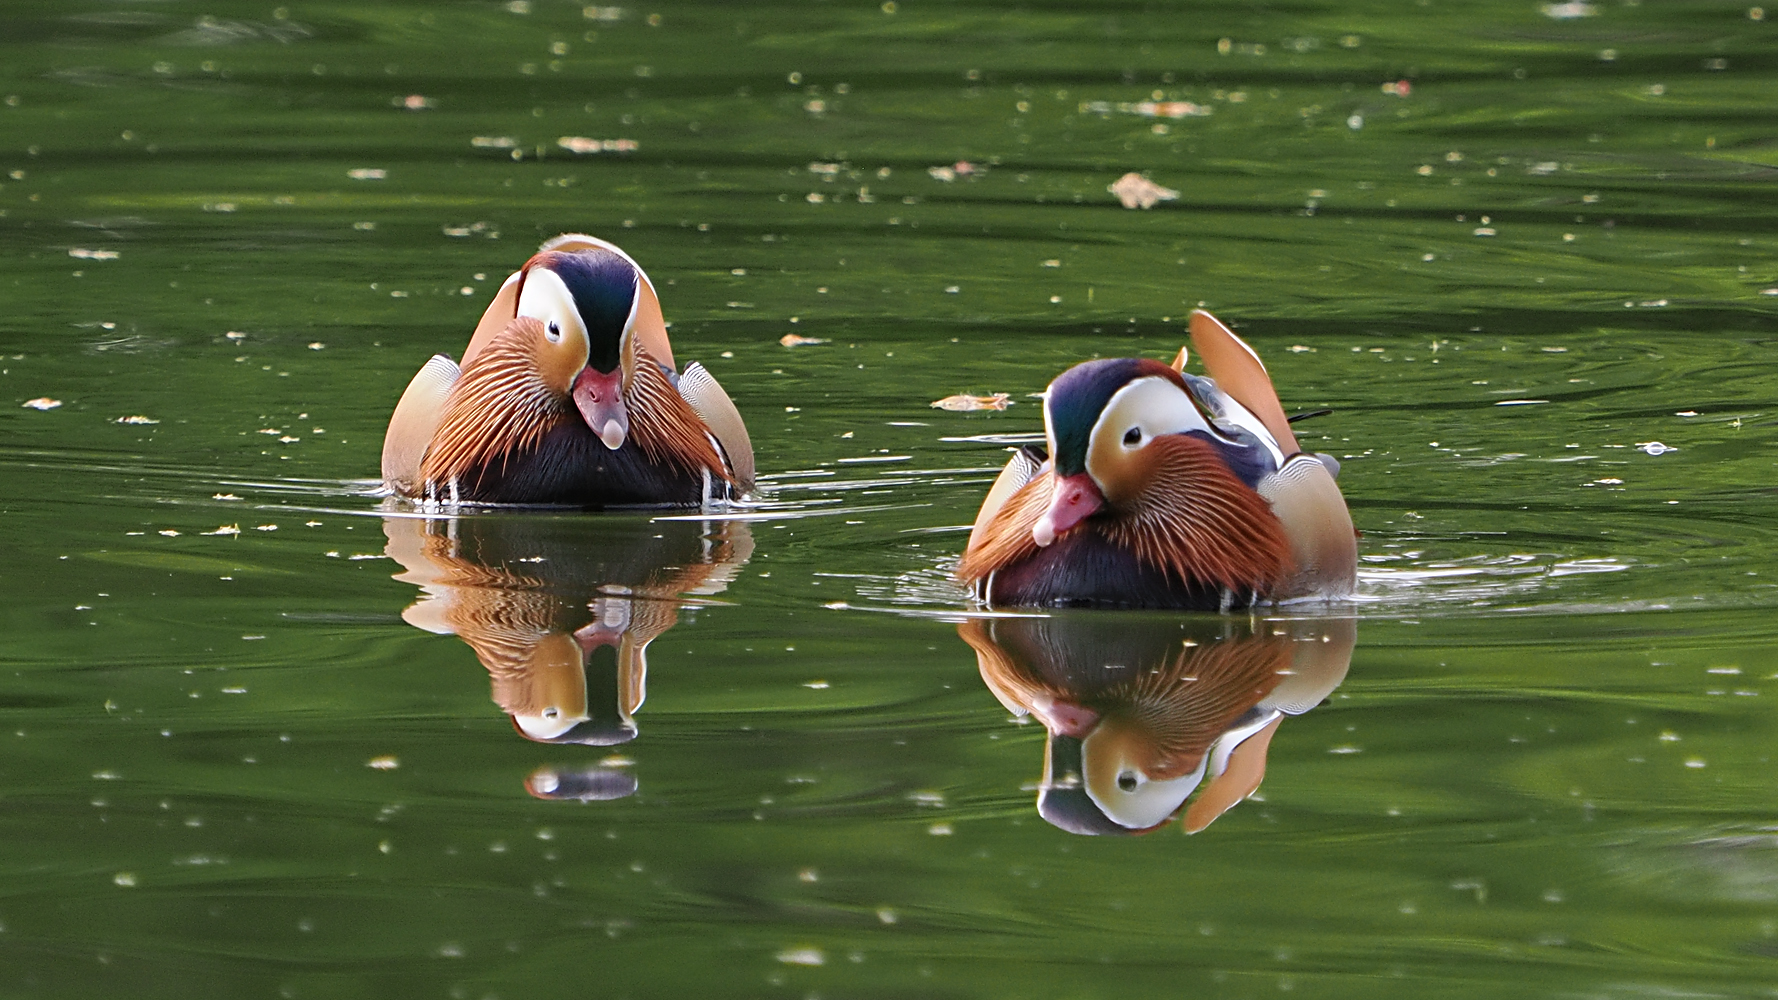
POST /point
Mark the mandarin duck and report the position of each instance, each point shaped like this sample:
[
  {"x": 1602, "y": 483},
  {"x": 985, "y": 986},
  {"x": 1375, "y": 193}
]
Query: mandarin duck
[
  {"x": 1162, "y": 489},
  {"x": 1143, "y": 712},
  {"x": 568, "y": 394},
  {"x": 562, "y": 620}
]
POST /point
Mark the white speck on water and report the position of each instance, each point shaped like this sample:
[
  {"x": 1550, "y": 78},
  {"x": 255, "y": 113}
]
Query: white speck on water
[
  {"x": 1344, "y": 750},
  {"x": 940, "y": 829},
  {"x": 817, "y": 685},
  {"x": 1571, "y": 9},
  {"x": 1520, "y": 402},
  {"x": 125, "y": 879},
  {"x": 387, "y": 762},
  {"x": 169, "y": 532},
  {"x": 1654, "y": 448},
  {"x": 41, "y": 403},
  {"x": 1695, "y": 762},
  {"x": 802, "y": 956},
  {"x": 887, "y": 915},
  {"x": 85, "y": 254},
  {"x": 367, "y": 173}
]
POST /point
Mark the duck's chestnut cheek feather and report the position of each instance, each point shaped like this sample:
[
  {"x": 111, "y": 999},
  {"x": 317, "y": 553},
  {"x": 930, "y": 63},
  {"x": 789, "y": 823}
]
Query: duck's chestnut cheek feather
[
  {"x": 599, "y": 397},
  {"x": 1074, "y": 499}
]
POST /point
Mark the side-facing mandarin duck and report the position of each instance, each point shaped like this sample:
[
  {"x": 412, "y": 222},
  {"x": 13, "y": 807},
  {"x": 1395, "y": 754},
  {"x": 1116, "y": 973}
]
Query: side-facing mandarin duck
[
  {"x": 1143, "y": 712},
  {"x": 1162, "y": 489},
  {"x": 568, "y": 394}
]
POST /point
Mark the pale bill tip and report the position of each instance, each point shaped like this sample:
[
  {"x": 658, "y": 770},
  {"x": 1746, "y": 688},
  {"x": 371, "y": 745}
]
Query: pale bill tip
[
  {"x": 1043, "y": 532},
  {"x": 612, "y": 435}
]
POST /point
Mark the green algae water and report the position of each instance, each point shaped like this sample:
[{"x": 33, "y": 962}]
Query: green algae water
[{"x": 265, "y": 735}]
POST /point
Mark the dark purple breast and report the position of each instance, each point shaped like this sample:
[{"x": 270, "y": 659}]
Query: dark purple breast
[
  {"x": 1084, "y": 570},
  {"x": 572, "y": 466}
]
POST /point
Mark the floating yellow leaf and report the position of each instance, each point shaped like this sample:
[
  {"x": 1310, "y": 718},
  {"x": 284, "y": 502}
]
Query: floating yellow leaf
[
  {"x": 1137, "y": 191},
  {"x": 963, "y": 403}
]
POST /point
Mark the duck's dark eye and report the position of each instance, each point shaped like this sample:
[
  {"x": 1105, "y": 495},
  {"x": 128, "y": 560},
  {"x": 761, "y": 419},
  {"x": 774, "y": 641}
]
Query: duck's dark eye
[
  {"x": 1127, "y": 781},
  {"x": 555, "y": 332},
  {"x": 1133, "y": 436}
]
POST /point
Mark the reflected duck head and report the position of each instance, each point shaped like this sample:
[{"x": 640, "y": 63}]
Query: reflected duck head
[{"x": 1068, "y": 799}]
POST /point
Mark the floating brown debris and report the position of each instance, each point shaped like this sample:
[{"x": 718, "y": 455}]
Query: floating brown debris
[
  {"x": 794, "y": 340},
  {"x": 964, "y": 403},
  {"x": 1137, "y": 191},
  {"x": 582, "y": 144}
]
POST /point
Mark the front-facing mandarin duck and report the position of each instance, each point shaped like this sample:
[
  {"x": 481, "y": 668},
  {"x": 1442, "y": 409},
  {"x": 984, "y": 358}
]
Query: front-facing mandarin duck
[
  {"x": 1162, "y": 489},
  {"x": 568, "y": 394}
]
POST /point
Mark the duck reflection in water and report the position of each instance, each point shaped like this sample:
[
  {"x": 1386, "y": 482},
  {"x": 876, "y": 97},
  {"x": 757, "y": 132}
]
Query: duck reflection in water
[
  {"x": 560, "y": 610},
  {"x": 1142, "y": 710}
]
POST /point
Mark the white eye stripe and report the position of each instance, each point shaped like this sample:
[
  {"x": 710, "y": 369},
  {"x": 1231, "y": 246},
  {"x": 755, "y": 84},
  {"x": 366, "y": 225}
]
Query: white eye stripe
[{"x": 544, "y": 297}]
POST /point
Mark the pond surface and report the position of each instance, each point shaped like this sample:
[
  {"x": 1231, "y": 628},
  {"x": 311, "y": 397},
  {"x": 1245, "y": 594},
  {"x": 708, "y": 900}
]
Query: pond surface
[{"x": 266, "y": 736}]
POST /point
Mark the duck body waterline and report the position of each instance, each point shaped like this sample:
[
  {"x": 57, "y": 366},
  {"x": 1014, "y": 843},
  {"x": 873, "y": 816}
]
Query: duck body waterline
[
  {"x": 568, "y": 394},
  {"x": 1160, "y": 489},
  {"x": 570, "y": 466}
]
